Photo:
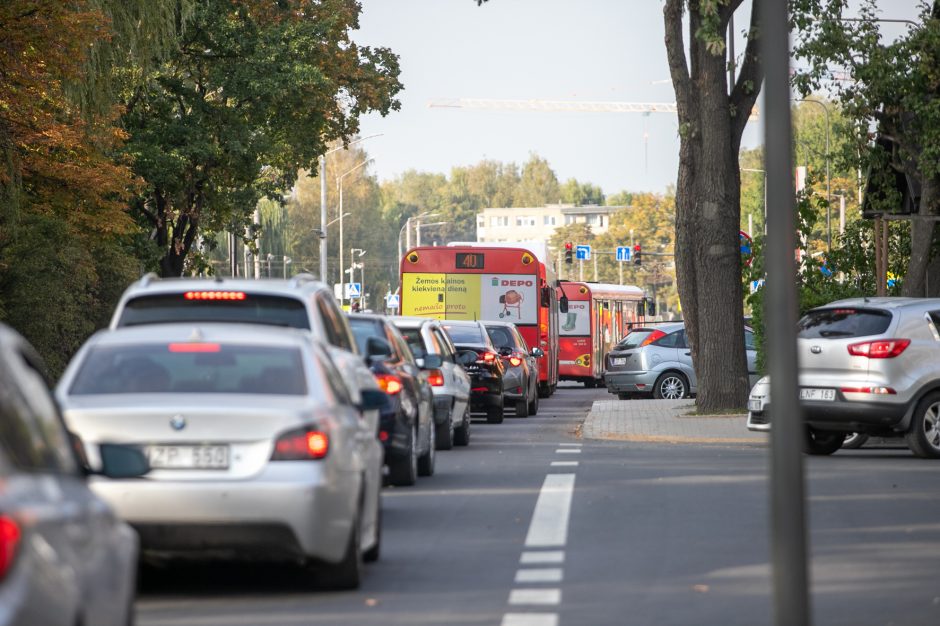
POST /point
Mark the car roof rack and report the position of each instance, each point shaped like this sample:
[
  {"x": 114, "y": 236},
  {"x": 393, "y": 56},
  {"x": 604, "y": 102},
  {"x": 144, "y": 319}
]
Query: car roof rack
[
  {"x": 149, "y": 277},
  {"x": 299, "y": 279}
]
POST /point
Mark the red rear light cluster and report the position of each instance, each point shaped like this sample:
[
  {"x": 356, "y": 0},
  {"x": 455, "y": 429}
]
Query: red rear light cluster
[
  {"x": 515, "y": 361},
  {"x": 656, "y": 334},
  {"x": 10, "y": 535},
  {"x": 389, "y": 383},
  {"x": 214, "y": 295},
  {"x": 301, "y": 445},
  {"x": 487, "y": 357},
  {"x": 886, "y": 349},
  {"x": 878, "y": 391},
  {"x": 436, "y": 378},
  {"x": 194, "y": 347}
]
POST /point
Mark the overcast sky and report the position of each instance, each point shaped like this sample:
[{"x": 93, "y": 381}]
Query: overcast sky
[{"x": 609, "y": 50}]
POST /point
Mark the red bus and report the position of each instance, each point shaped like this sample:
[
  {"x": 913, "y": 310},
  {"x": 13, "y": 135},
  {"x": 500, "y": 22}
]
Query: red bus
[
  {"x": 597, "y": 317},
  {"x": 487, "y": 283}
]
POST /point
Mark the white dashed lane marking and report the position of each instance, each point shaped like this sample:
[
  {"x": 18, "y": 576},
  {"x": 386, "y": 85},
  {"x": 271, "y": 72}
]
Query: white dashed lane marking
[
  {"x": 549, "y": 526},
  {"x": 564, "y": 463},
  {"x": 530, "y": 619},
  {"x": 541, "y": 558},
  {"x": 568, "y": 451},
  {"x": 539, "y": 575},
  {"x": 535, "y": 596}
]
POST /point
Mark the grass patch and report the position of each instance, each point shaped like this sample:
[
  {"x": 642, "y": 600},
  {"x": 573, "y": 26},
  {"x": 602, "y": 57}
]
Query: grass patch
[{"x": 722, "y": 413}]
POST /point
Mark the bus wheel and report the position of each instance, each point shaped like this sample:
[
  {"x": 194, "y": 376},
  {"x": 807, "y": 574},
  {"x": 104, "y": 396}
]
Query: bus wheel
[
  {"x": 590, "y": 383},
  {"x": 544, "y": 390}
]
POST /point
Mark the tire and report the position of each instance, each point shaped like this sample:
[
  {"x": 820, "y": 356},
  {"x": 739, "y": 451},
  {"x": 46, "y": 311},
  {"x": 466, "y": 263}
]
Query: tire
[
  {"x": 854, "y": 441},
  {"x": 462, "y": 432},
  {"x": 403, "y": 471},
  {"x": 590, "y": 384},
  {"x": 671, "y": 386},
  {"x": 544, "y": 390},
  {"x": 426, "y": 460},
  {"x": 534, "y": 404},
  {"x": 822, "y": 443},
  {"x": 522, "y": 408},
  {"x": 347, "y": 574},
  {"x": 923, "y": 436},
  {"x": 372, "y": 554},
  {"x": 623, "y": 395},
  {"x": 444, "y": 435},
  {"x": 494, "y": 415}
]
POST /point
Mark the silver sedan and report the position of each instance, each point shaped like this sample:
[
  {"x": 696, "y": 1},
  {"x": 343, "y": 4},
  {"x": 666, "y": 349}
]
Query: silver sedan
[{"x": 257, "y": 449}]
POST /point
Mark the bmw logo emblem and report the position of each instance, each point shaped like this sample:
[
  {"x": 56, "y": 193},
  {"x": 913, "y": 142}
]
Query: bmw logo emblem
[{"x": 177, "y": 422}]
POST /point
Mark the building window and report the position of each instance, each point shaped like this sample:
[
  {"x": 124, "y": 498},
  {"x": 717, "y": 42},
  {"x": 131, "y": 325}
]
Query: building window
[
  {"x": 592, "y": 219},
  {"x": 569, "y": 219}
]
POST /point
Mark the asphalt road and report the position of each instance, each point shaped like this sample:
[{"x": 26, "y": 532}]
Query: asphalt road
[{"x": 612, "y": 533}]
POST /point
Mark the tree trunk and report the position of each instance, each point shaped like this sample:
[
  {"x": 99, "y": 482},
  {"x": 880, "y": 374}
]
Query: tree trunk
[
  {"x": 708, "y": 211},
  {"x": 923, "y": 234}
]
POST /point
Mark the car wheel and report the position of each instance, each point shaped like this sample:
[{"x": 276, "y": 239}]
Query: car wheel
[
  {"x": 494, "y": 415},
  {"x": 671, "y": 386},
  {"x": 923, "y": 436},
  {"x": 426, "y": 461},
  {"x": 444, "y": 435},
  {"x": 347, "y": 574},
  {"x": 403, "y": 471},
  {"x": 522, "y": 408},
  {"x": 544, "y": 390},
  {"x": 462, "y": 433},
  {"x": 534, "y": 404},
  {"x": 822, "y": 443},
  {"x": 854, "y": 441},
  {"x": 372, "y": 554}
]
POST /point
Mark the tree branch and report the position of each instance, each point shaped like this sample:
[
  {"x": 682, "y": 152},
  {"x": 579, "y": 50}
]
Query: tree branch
[
  {"x": 747, "y": 86},
  {"x": 675, "y": 53}
]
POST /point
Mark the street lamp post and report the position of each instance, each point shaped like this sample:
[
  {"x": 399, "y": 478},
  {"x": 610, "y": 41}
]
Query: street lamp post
[
  {"x": 322, "y": 171},
  {"x": 339, "y": 184}
]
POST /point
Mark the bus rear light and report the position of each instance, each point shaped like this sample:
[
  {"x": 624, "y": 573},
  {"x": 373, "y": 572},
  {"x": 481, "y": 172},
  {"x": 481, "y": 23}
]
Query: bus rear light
[
  {"x": 10, "y": 536},
  {"x": 301, "y": 445},
  {"x": 214, "y": 295},
  {"x": 389, "y": 383},
  {"x": 879, "y": 349},
  {"x": 436, "y": 378}
]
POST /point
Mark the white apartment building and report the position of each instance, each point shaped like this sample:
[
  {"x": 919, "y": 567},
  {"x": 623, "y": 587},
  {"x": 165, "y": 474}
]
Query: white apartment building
[{"x": 539, "y": 223}]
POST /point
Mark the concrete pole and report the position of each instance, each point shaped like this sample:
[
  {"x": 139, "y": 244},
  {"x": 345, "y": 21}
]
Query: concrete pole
[
  {"x": 408, "y": 234},
  {"x": 342, "y": 269},
  {"x": 418, "y": 232},
  {"x": 842, "y": 214},
  {"x": 322, "y": 166},
  {"x": 620, "y": 271},
  {"x": 594, "y": 258},
  {"x": 581, "y": 270}
]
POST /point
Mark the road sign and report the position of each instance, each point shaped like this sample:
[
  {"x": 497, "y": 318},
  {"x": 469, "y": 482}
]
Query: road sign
[
  {"x": 353, "y": 290},
  {"x": 623, "y": 253},
  {"x": 745, "y": 247},
  {"x": 392, "y": 301},
  {"x": 582, "y": 253}
]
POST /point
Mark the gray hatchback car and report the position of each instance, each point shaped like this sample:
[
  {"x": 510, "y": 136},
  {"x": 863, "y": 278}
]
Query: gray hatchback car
[{"x": 656, "y": 360}]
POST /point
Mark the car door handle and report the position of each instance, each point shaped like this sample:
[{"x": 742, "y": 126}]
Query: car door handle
[{"x": 688, "y": 354}]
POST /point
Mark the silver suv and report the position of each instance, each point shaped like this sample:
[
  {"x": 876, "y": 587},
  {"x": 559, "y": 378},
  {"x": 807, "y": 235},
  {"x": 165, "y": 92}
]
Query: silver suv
[{"x": 867, "y": 365}]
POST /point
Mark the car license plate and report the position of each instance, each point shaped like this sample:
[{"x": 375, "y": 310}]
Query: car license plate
[
  {"x": 188, "y": 457},
  {"x": 825, "y": 395},
  {"x": 618, "y": 360},
  {"x": 754, "y": 405}
]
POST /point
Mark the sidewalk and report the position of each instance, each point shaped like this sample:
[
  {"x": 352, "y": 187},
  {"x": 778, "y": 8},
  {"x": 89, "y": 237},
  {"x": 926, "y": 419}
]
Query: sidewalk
[{"x": 664, "y": 421}]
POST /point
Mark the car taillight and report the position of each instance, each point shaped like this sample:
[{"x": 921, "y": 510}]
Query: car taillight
[
  {"x": 436, "y": 378},
  {"x": 10, "y": 535},
  {"x": 515, "y": 361},
  {"x": 878, "y": 391},
  {"x": 194, "y": 347},
  {"x": 214, "y": 295},
  {"x": 887, "y": 349},
  {"x": 389, "y": 383},
  {"x": 653, "y": 336},
  {"x": 301, "y": 445},
  {"x": 487, "y": 356}
]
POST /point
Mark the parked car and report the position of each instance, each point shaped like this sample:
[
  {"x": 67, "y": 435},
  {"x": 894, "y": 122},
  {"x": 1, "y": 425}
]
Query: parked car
[
  {"x": 300, "y": 302},
  {"x": 869, "y": 365},
  {"x": 257, "y": 448},
  {"x": 758, "y": 415},
  {"x": 450, "y": 383},
  {"x": 656, "y": 360},
  {"x": 65, "y": 557},
  {"x": 407, "y": 425},
  {"x": 521, "y": 378},
  {"x": 479, "y": 357}
]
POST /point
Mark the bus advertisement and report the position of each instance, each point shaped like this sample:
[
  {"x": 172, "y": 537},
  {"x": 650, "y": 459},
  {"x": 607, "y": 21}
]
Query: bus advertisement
[
  {"x": 597, "y": 317},
  {"x": 486, "y": 283}
]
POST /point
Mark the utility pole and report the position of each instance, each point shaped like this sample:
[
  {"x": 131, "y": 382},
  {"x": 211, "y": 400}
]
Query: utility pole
[{"x": 594, "y": 258}]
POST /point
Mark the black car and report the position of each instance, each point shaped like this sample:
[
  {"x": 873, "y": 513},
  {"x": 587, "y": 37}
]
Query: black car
[
  {"x": 480, "y": 358},
  {"x": 406, "y": 428}
]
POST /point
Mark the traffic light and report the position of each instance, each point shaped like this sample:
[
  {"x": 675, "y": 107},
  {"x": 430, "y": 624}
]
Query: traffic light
[
  {"x": 636, "y": 255},
  {"x": 569, "y": 253}
]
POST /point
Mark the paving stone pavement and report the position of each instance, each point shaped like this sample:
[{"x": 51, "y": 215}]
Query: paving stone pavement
[{"x": 664, "y": 421}]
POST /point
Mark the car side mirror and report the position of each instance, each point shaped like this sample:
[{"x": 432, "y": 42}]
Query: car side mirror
[
  {"x": 118, "y": 461},
  {"x": 538, "y": 353},
  {"x": 431, "y": 362},
  {"x": 378, "y": 348},
  {"x": 563, "y": 304},
  {"x": 467, "y": 357},
  {"x": 373, "y": 400}
]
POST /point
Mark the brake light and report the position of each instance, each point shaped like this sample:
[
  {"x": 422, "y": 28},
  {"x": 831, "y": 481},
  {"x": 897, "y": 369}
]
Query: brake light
[
  {"x": 515, "y": 361},
  {"x": 10, "y": 535},
  {"x": 389, "y": 383},
  {"x": 878, "y": 391},
  {"x": 214, "y": 295},
  {"x": 487, "y": 357},
  {"x": 436, "y": 378},
  {"x": 194, "y": 347},
  {"x": 879, "y": 349},
  {"x": 653, "y": 336},
  {"x": 383, "y": 435},
  {"x": 301, "y": 445}
]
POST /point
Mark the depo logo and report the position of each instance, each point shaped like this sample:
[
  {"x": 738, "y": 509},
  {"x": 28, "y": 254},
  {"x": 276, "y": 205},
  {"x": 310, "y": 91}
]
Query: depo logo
[{"x": 515, "y": 283}]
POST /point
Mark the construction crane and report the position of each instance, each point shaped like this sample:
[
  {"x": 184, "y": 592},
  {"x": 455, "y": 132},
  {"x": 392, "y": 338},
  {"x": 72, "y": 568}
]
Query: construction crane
[{"x": 553, "y": 105}]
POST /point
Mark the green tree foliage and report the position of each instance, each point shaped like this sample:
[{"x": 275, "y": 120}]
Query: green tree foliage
[
  {"x": 580, "y": 194},
  {"x": 538, "y": 184},
  {"x": 255, "y": 92}
]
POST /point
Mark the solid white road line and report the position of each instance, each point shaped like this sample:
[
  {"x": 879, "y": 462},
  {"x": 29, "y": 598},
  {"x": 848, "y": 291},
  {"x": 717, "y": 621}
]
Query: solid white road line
[
  {"x": 568, "y": 451},
  {"x": 539, "y": 558},
  {"x": 535, "y": 596},
  {"x": 530, "y": 619},
  {"x": 571, "y": 445},
  {"x": 549, "y": 525},
  {"x": 539, "y": 575},
  {"x": 564, "y": 463}
]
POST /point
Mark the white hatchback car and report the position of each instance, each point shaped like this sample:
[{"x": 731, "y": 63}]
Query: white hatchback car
[{"x": 256, "y": 448}]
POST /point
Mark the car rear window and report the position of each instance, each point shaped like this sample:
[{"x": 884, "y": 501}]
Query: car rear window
[
  {"x": 501, "y": 337},
  {"x": 190, "y": 368},
  {"x": 215, "y": 306},
  {"x": 415, "y": 341},
  {"x": 843, "y": 322},
  {"x": 363, "y": 328},
  {"x": 464, "y": 334}
]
